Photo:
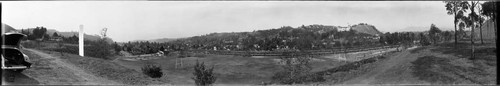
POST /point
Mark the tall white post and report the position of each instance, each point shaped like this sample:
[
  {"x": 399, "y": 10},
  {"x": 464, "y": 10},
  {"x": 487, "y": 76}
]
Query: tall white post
[{"x": 80, "y": 41}]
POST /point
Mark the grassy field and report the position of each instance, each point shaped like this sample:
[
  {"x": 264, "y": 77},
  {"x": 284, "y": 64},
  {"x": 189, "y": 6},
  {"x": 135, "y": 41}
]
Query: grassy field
[
  {"x": 229, "y": 69},
  {"x": 454, "y": 64}
]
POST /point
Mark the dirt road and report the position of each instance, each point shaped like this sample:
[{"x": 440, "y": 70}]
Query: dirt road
[
  {"x": 389, "y": 71},
  {"x": 51, "y": 70}
]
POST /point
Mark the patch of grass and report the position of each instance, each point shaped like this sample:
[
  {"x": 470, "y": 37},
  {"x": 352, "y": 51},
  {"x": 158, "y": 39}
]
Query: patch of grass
[
  {"x": 439, "y": 70},
  {"x": 110, "y": 70},
  {"x": 319, "y": 76},
  {"x": 422, "y": 69},
  {"x": 486, "y": 53},
  {"x": 351, "y": 66},
  {"x": 417, "y": 49},
  {"x": 31, "y": 44},
  {"x": 463, "y": 50}
]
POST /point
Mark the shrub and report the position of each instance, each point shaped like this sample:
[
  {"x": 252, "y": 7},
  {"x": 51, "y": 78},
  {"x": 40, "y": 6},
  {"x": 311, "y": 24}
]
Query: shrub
[
  {"x": 98, "y": 49},
  {"x": 203, "y": 76},
  {"x": 153, "y": 71},
  {"x": 296, "y": 69}
]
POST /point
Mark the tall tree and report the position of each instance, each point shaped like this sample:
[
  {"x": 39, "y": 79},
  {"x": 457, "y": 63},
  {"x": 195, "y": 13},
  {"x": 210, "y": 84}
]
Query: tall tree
[
  {"x": 455, "y": 8},
  {"x": 480, "y": 26},
  {"x": 434, "y": 33},
  {"x": 55, "y": 34},
  {"x": 472, "y": 18}
]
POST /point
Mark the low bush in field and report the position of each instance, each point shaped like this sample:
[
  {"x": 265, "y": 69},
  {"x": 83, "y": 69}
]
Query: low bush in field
[
  {"x": 153, "y": 71},
  {"x": 202, "y": 75}
]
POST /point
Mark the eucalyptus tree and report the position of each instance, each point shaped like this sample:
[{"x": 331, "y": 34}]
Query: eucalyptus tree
[
  {"x": 455, "y": 8},
  {"x": 471, "y": 21}
]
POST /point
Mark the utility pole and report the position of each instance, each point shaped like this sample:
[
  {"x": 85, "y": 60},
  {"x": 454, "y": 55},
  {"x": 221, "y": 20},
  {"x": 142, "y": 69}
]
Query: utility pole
[{"x": 80, "y": 41}]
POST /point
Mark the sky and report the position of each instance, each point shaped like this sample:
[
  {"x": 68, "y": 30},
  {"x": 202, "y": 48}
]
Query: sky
[{"x": 143, "y": 20}]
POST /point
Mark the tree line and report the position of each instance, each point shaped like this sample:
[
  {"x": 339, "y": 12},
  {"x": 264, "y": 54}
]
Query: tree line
[{"x": 471, "y": 14}]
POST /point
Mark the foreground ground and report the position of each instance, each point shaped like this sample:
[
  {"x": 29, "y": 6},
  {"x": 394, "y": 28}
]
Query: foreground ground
[
  {"x": 55, "y": 68},
  {"x": 51, "y": 70}
]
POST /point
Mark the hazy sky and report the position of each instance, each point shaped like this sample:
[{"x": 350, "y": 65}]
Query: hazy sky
[{"x": 139, "y": 20}]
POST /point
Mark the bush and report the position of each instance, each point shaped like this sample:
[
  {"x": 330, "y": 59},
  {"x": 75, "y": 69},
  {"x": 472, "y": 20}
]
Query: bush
[
  {"x": 296, "y": 69},
  {"x": 153, "y": 71},
  {"x": 202, "y": 75},
  {"x": 98, "y": 49}
]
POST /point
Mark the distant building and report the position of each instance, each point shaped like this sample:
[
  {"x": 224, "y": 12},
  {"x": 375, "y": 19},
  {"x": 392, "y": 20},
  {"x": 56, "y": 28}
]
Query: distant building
[
  {"x": 340, "y": 28},
  {"x": 160, "y": 53},
  {"x": 56, "y": 39}
]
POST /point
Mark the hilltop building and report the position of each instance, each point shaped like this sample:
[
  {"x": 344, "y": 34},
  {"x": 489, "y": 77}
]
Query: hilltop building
[{"x": 340, "y": 28}]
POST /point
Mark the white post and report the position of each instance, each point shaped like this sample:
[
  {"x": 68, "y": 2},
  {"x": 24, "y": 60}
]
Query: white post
[{"x": 80, "y": 41}]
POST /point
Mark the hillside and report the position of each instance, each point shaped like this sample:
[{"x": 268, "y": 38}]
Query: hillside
[
  {"x": 161, "y": 40},
  {"x": 365, "y": 28},
  {"x": 302, "y": 37},
  {"x": 69, "y": 34}
]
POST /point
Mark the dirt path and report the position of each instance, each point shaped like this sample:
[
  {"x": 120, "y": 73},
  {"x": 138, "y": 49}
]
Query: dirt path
[
  {"x": 80, "y": 75},
  {"x": 382, "y": 68}
]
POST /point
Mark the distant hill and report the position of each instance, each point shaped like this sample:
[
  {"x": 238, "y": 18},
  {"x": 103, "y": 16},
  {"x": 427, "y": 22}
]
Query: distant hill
[
  {"x": 69, "y": 34},
  {"x": 161, "y": 40},
  {"x": 365, "y": 28},
  {"x": 301, "y": 37},
  {"x": 413, "y": 29},
  {"x": 420, "y": 29}
]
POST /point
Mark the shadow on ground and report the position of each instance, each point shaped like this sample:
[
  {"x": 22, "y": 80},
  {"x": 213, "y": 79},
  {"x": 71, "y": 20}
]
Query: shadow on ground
[{"x": 19, "y": 79}]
